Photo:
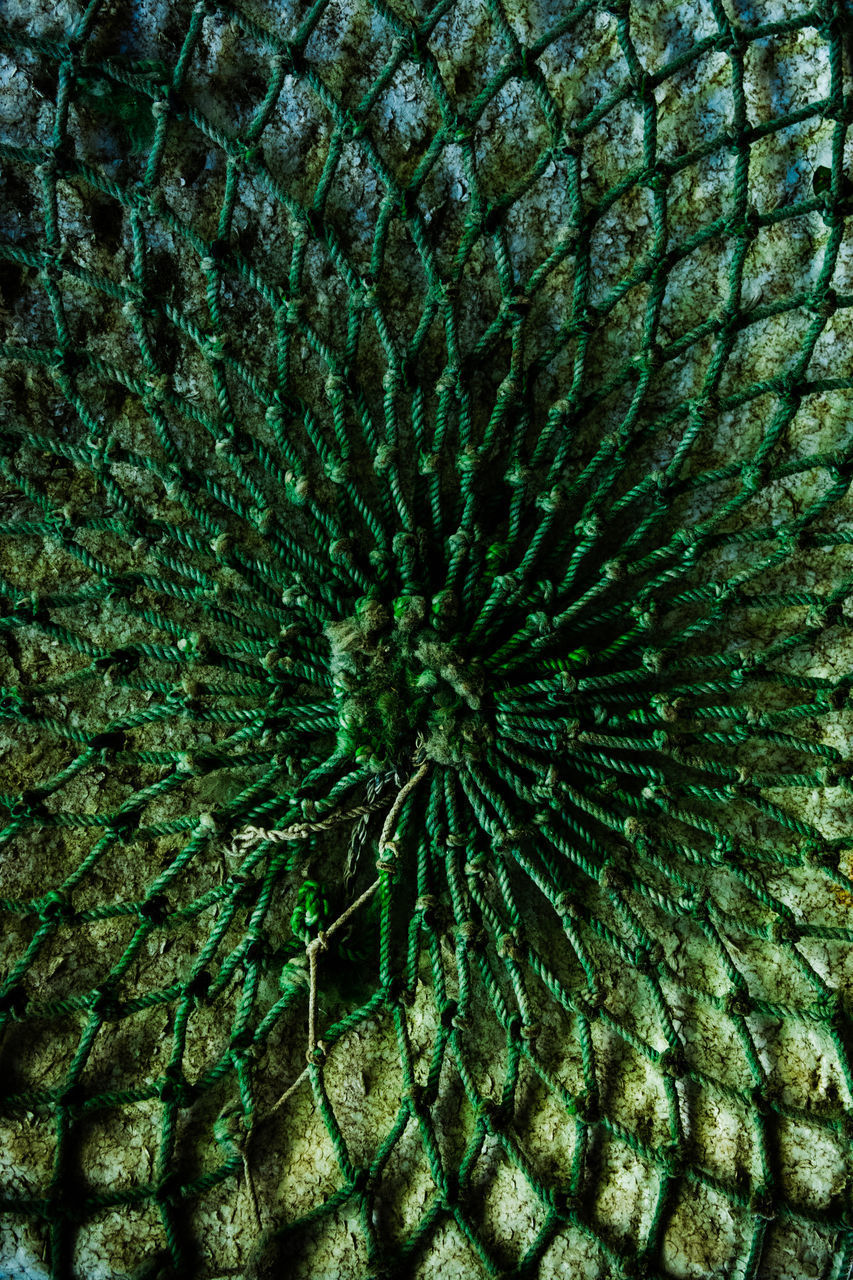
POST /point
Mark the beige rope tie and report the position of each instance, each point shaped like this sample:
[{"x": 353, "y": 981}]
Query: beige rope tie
[
  {"x": 298, "y": 831},
  {"x": 320, "y": 943},
  {"x": 251, "y": 836}
]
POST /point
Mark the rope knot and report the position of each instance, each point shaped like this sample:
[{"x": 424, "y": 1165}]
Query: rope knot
[
  {"x": 469, "y": 931},
  {"x": 387, "y": 860},
  {"x": 316, "y": 1054},
  {"x": 318, "y": 943},
  {"x": 509, "y": 944},
  {"x": 385, "y": 458},
  {"x": 517, "y": 476},
  {"x": 470, "y": 460}
]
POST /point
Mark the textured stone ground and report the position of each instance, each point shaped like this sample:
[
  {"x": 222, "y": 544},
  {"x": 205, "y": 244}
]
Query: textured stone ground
[{"x": 293, "y": 1162}]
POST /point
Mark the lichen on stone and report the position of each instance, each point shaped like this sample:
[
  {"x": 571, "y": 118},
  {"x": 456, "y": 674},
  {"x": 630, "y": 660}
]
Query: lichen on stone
[{"x": 426, "y": 449}]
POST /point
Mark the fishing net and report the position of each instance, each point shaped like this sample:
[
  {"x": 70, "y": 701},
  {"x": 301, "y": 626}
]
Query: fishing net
[{"x": 425, "y": 596}]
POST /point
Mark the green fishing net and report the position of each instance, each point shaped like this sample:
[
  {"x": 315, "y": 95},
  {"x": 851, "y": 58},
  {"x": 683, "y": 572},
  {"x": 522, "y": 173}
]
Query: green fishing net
[{"x": 425, "y": 679}]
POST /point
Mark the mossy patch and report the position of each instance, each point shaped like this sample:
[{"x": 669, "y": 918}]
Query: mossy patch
[{"x": 400, "y": 686}]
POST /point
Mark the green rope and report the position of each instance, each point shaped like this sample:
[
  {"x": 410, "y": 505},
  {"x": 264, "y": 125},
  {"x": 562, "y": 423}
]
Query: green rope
[{"x": 291, "y": 586}]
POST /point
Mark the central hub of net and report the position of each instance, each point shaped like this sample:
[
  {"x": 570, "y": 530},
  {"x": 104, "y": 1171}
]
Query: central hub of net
[{"x": 400, "y": 685}]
